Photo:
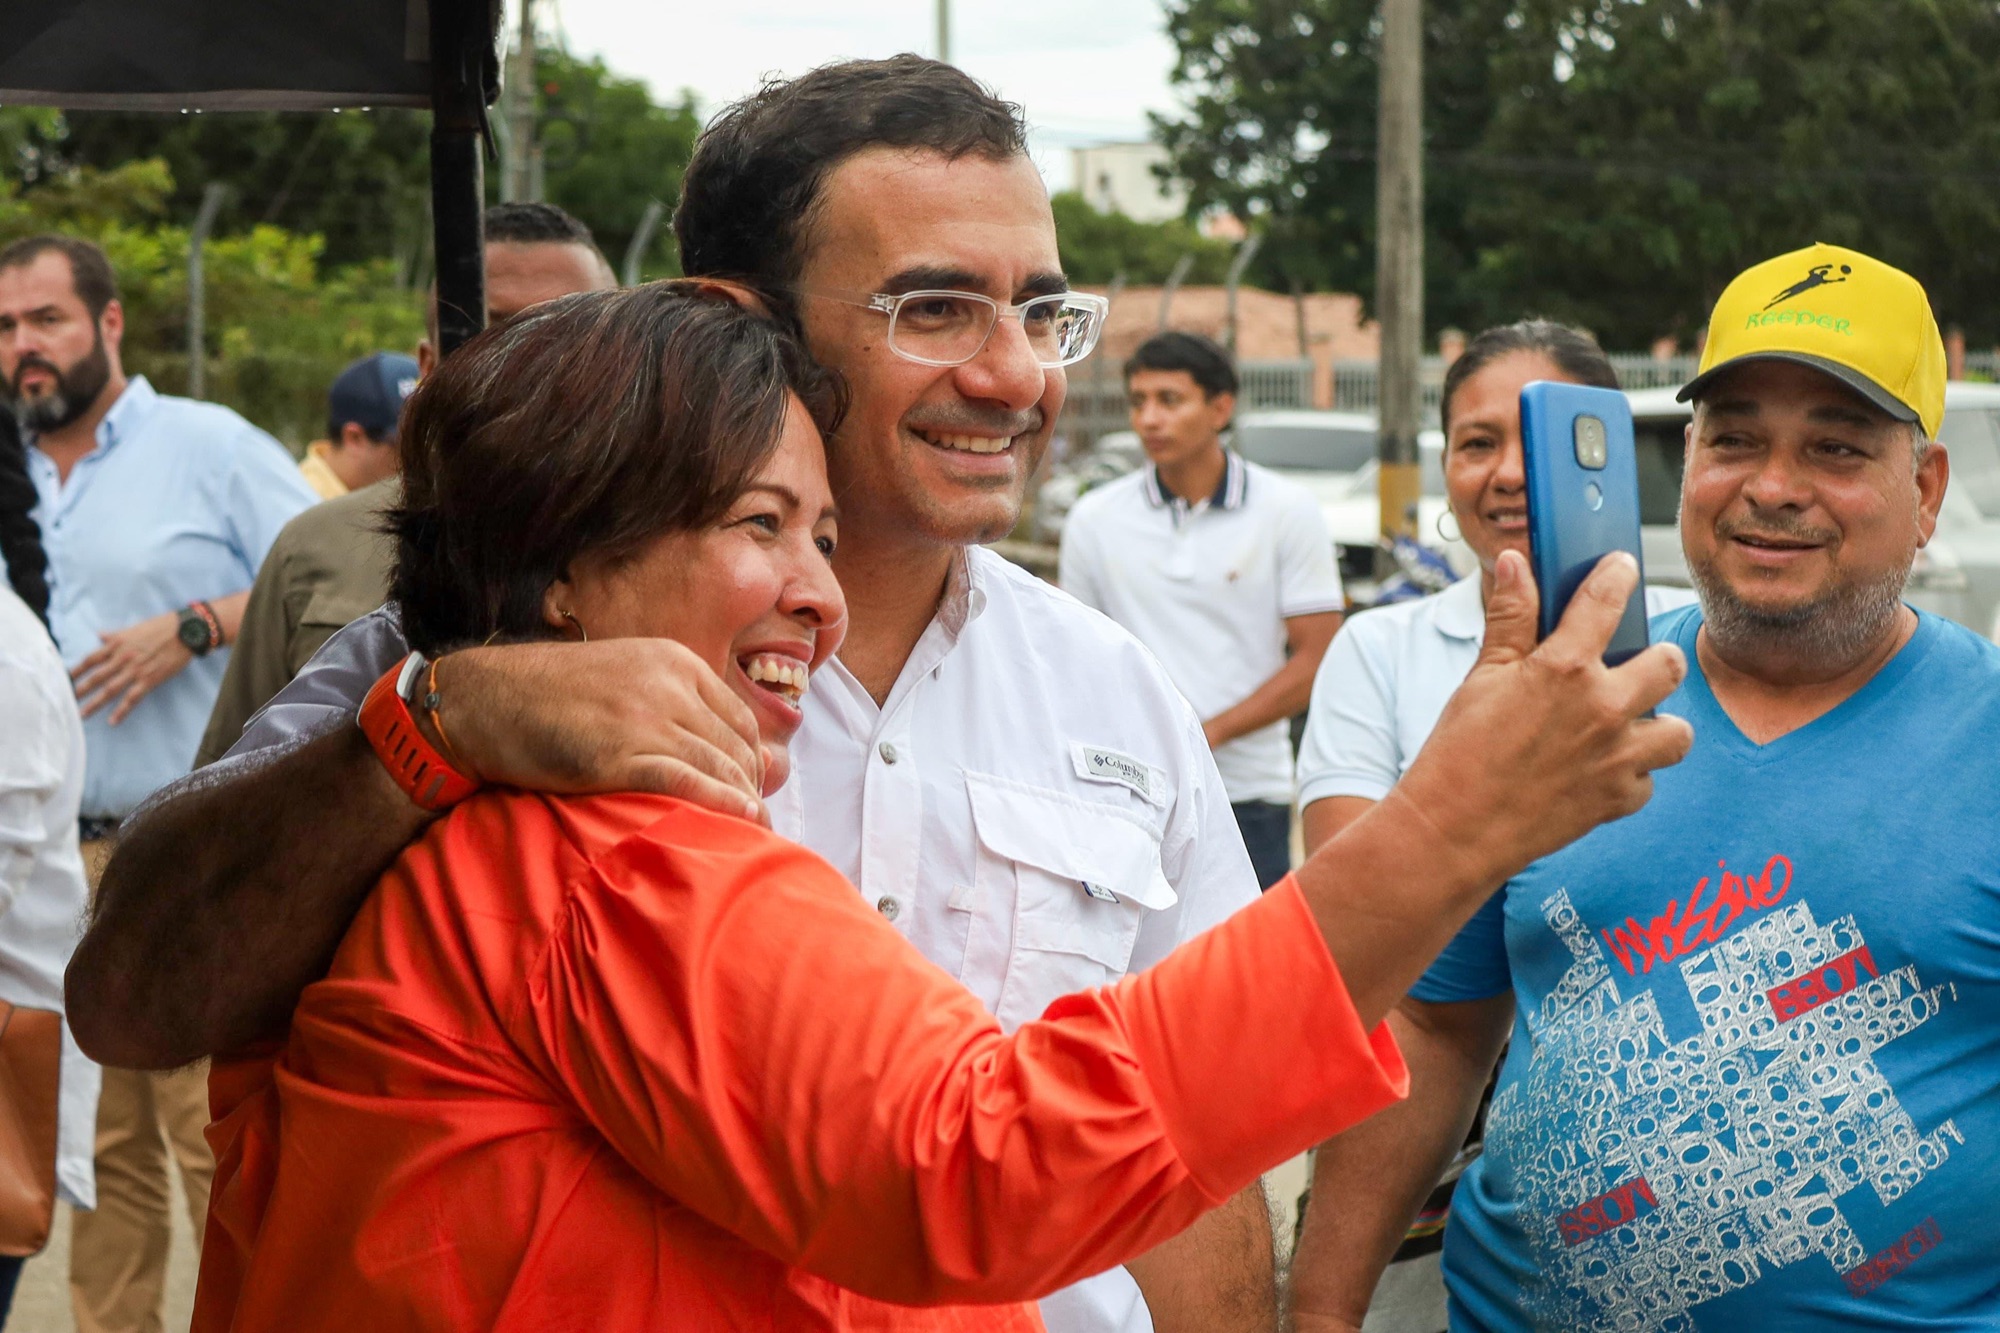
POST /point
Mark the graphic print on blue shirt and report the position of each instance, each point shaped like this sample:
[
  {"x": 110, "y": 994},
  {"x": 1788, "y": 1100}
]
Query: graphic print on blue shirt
[{"x": 1755, "y": 1076}]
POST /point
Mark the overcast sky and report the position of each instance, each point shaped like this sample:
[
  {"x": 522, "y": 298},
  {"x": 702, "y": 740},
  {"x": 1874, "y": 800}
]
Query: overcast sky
[{"x": 1086, "y": 70}]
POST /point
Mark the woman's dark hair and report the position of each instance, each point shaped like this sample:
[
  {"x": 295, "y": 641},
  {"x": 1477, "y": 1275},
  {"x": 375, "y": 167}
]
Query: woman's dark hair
[
  {"x": 590, "y": 425},
  {"x": 1574, "y": 352},
  {"x": 20, "y": 535},
  {"x": 757, "y": 171},
  {"x": 1203, "y": 359}
]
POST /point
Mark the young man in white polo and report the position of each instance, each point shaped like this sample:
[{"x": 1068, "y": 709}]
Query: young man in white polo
[{"x": 1221, "y": 567}]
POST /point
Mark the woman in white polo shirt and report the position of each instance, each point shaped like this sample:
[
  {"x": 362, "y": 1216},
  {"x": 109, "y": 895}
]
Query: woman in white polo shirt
[
  {"x": 1380, "y": 689},
  {"x": 1382, "y": 685}
]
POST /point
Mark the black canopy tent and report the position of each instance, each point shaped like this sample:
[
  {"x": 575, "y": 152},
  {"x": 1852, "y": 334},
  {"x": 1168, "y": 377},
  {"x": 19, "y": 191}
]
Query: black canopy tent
[{"x": 300, "y": 55}]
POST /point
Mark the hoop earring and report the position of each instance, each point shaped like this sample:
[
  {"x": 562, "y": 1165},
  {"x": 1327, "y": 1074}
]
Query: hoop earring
[
  {"x": 578, "y": 623},
  {"x": 1443, "y": 536}
]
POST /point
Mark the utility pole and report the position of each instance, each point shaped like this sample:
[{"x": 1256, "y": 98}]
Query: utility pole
[
  {"x": 520, "y": 181},
  {"x": 944, "y": 30},
  {"x": 1399, "y": 260},
  {"x": 211, "y": 204}
]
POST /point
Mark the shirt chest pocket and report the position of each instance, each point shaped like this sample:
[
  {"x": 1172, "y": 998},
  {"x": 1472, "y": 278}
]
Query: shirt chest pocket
[
  {"x": 327, "y": 612},
  {"x": 1079, "y": 878}
]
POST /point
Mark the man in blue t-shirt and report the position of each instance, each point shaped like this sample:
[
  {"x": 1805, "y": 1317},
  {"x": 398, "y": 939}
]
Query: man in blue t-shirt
[{"x": 1754, "y": 1080}]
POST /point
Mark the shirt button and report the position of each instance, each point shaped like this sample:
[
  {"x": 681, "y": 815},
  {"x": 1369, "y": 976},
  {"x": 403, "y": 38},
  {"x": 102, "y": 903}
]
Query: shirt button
[
  {"x": 889, "y": 907},
  {"x": 888, "y": 753}
]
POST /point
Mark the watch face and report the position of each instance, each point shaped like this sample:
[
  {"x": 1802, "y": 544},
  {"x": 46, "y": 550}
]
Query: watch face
[{"x": 194, "y": 634}]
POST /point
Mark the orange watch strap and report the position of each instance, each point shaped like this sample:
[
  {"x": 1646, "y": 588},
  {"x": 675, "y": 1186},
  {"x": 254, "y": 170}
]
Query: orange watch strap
[{"x": 425, "y": 775}]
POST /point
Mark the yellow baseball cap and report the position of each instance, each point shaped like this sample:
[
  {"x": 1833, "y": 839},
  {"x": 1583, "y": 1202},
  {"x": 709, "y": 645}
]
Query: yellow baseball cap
[{"x": 1864, "y": 323}]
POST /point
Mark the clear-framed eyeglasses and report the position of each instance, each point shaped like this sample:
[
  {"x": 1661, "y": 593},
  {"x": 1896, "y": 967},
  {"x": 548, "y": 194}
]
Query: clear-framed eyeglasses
[{"x": 947, "y": 328}]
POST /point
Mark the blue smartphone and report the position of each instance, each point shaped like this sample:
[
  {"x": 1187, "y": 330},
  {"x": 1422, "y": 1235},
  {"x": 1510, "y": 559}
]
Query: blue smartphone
[{"x": 1583, "y": 498}]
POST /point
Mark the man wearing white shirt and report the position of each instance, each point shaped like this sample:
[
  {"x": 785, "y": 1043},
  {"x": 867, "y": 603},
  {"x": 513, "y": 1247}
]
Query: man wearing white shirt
[
  {"x": 155, "y": 512},
  {"x": 1009, "y": 777},
  {"x": 1221, "y": 567},
  {"x": 42, "y": 886}
]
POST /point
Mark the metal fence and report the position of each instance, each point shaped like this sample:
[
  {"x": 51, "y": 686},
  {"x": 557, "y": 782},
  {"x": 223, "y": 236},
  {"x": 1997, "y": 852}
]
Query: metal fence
[
  {"x": 1097, "y": 395},
  {"x": 1097, "y": 391},
  {"x": 1275, "y": 383},
  {"x": 1355, "y": 387},
  {"x": 1640, "y": 371}
]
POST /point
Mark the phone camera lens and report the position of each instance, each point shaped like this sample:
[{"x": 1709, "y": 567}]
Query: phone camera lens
[{"x": 1590, "y": 445}]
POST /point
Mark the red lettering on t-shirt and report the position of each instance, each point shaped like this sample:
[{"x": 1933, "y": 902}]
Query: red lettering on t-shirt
[
  {"x": 1594, "y": 1217},
  {"x": 1679, "y": 930},
  {"x": 1829, "y": 981},
  {"x": 1920, "y": 1240}
]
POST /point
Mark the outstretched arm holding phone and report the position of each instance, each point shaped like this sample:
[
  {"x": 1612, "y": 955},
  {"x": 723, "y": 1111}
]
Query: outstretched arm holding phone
[{"x": 255, "y": 879}]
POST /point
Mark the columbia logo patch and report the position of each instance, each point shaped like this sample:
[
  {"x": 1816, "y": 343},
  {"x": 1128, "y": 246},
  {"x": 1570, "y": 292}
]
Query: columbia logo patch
[{"x": 1094, "y": 764}]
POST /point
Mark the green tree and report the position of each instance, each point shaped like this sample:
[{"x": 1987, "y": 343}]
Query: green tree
[
  {"x": 360, "y": 180},
  {"x": 1096, "y": 247},
  {"x": 1614, "y": 162},
  {"x": 279, "y": 325},
  {"x": 1281, "y": 131},
  {"x": 608, "y": 148},
  {"x": 1693, "y": 139}
]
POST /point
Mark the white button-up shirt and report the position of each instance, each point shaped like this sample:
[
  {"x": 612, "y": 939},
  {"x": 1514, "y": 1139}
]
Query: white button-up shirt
[
  {"x": 1034, "y": 806},
  {"x": 1208, "y": 587},
  {"x": 42, "y": 893}
]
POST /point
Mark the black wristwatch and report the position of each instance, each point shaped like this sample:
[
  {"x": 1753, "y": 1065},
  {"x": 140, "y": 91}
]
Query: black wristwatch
[{"x": 200, "y": 630}]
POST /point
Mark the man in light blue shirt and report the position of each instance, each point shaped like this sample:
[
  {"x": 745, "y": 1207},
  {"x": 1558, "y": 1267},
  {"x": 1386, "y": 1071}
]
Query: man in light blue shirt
[{"x": 155, "y": 513}]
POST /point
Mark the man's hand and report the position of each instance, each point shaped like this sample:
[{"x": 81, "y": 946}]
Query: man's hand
[
  {"x": 1288, "y": 689},
  {"x": 614, "y": 715},
  {"x": 229, "y": 893},
  {"x": 1543, "y": 743},
  {"x": 130, "y": 664}
]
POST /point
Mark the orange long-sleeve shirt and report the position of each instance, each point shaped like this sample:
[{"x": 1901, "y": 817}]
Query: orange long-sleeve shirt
[{"x": 617, "y": 1063}]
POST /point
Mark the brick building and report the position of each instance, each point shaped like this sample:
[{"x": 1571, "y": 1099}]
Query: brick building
[{"x": 1267, "y": 329}]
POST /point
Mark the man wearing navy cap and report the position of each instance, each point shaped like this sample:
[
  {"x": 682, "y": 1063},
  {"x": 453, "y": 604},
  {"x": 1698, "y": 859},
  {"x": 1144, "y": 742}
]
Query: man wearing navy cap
[{"x": 361, "y": 412}]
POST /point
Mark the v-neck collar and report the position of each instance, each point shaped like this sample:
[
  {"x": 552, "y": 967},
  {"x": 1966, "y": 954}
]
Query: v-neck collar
[{"x": 1714, "y": 726}]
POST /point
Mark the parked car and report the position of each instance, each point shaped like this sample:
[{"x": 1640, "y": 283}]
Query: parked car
[
  {"x": 1956, "y": 576},
  {"x": 1111, "y": 457},
  {"x": 1331, "y": 454}
]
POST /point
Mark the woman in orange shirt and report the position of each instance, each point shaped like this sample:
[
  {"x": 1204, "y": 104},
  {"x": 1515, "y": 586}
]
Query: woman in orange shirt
[{"x": 615, "y": 1062}]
